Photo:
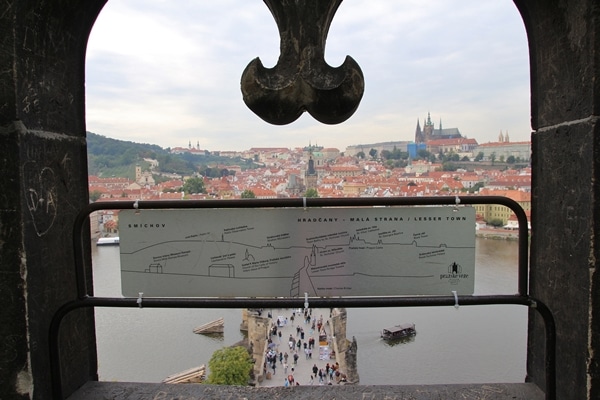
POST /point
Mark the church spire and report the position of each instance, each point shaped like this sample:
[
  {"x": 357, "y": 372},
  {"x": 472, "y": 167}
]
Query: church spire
[
  {"x": 418, "y": 133},
  {"x": 311, "y": 166}
]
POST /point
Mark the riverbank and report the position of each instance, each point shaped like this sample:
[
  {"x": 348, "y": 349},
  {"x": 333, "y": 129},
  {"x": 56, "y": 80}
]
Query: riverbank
[{"x": 497, "y": 233}]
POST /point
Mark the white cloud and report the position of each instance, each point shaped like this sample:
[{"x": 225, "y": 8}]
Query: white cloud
[{"x": 169, "y": 72}]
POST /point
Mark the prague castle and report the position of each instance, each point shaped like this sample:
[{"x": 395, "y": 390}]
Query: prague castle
[
  {"x": 430, "y": 133},
  {"x": 422, "y": 136}
]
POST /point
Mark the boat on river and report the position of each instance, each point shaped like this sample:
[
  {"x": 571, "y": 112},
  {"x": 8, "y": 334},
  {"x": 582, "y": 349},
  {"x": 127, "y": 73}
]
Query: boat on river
[
  {"x": 398, "y": 331},
  {"x": 108, "y": 241}
]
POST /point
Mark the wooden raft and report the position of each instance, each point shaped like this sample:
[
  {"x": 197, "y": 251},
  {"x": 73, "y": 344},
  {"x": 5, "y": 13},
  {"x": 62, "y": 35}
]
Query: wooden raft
[
  {"x": 216, "y": 326},
  {"x": 192, "y": 375}
]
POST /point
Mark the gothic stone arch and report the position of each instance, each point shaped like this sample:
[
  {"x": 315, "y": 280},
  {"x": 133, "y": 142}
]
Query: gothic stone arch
[{"x": 42, "y": 134}]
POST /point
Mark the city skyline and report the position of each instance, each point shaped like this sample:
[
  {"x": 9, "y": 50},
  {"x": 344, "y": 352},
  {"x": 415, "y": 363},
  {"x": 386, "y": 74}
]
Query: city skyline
[{"x": 167, "y": 76}]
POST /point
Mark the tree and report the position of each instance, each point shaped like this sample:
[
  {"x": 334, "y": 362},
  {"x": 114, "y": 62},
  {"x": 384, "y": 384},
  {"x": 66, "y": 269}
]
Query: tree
[
  {"x": 312, "y": 192},
  {"x": 424, "y": 154},
  {"x": 479, "y": 156},
  {"x": 194, "y": 185},
  {"x": 400, "y": 163},
  {"x": 510, "y": 159},
  {"x": 397, "y": 154},
  {"x": 373, "y": 153},
  {"x": 95, "y": 195},
  {"x": 360, "y": 154},
  {"x": 230, "y": 366},
  {"x": 475, "y": 188},
  {"x": 248, "y": 194},
  {"x": 497, "y": 222},
  {"x": 493, "y": 158},
  {"x": 386, "y": 154},
  {"x": 448, "y": 166}
]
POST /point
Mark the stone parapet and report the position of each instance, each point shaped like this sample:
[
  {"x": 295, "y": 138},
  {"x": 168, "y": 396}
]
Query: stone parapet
[{"x": 136, "y": 391}]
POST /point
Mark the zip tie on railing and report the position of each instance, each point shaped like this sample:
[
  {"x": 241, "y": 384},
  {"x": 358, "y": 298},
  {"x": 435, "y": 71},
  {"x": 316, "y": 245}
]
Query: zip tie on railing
[
  {"x": 139, "y": 300},
  {"x": 457, "y": 202},
  {"x": 136, "y": 206},
  {"x": 304, "y": 203},
  {"x": 456, "y": 305},
  {"x": 305, "y": 300}
]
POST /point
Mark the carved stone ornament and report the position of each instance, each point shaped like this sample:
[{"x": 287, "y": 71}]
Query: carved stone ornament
[{"x": 301, "y": 80}]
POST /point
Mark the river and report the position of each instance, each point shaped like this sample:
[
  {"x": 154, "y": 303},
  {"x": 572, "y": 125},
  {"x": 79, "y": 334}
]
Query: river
[{"x": 474, "y": 344}]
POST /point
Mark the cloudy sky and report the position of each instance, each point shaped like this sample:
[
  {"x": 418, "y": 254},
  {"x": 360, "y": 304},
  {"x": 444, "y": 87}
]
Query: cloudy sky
[{"x": 168, "y": 72}]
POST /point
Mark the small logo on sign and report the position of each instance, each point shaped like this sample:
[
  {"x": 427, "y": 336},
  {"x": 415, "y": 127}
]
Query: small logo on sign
[
  {"x": 454, "y": 274},
  {"x": 454, "y": 269}
]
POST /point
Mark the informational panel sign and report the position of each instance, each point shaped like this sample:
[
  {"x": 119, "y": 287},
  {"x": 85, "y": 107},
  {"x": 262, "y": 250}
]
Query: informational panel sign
[{"x": 289, "y": 252}]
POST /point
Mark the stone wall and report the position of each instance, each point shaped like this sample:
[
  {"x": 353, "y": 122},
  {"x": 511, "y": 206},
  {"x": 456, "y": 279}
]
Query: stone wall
[
  {"x": 345, "y": 350},
  {"x": 564, "y": 47},
  {"x": 258, "y": 331},
  {"x": 43, "y": 185}
]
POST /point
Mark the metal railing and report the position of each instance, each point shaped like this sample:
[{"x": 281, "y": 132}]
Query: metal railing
[{"x": 86, "y": 300}]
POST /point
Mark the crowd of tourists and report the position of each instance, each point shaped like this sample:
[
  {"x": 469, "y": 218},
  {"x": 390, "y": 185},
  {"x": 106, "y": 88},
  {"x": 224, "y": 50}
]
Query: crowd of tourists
[{"x": 285, "y": 351}]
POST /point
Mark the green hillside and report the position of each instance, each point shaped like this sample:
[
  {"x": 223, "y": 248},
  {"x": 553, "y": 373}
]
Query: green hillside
[{"x": 112, "y": 157}]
